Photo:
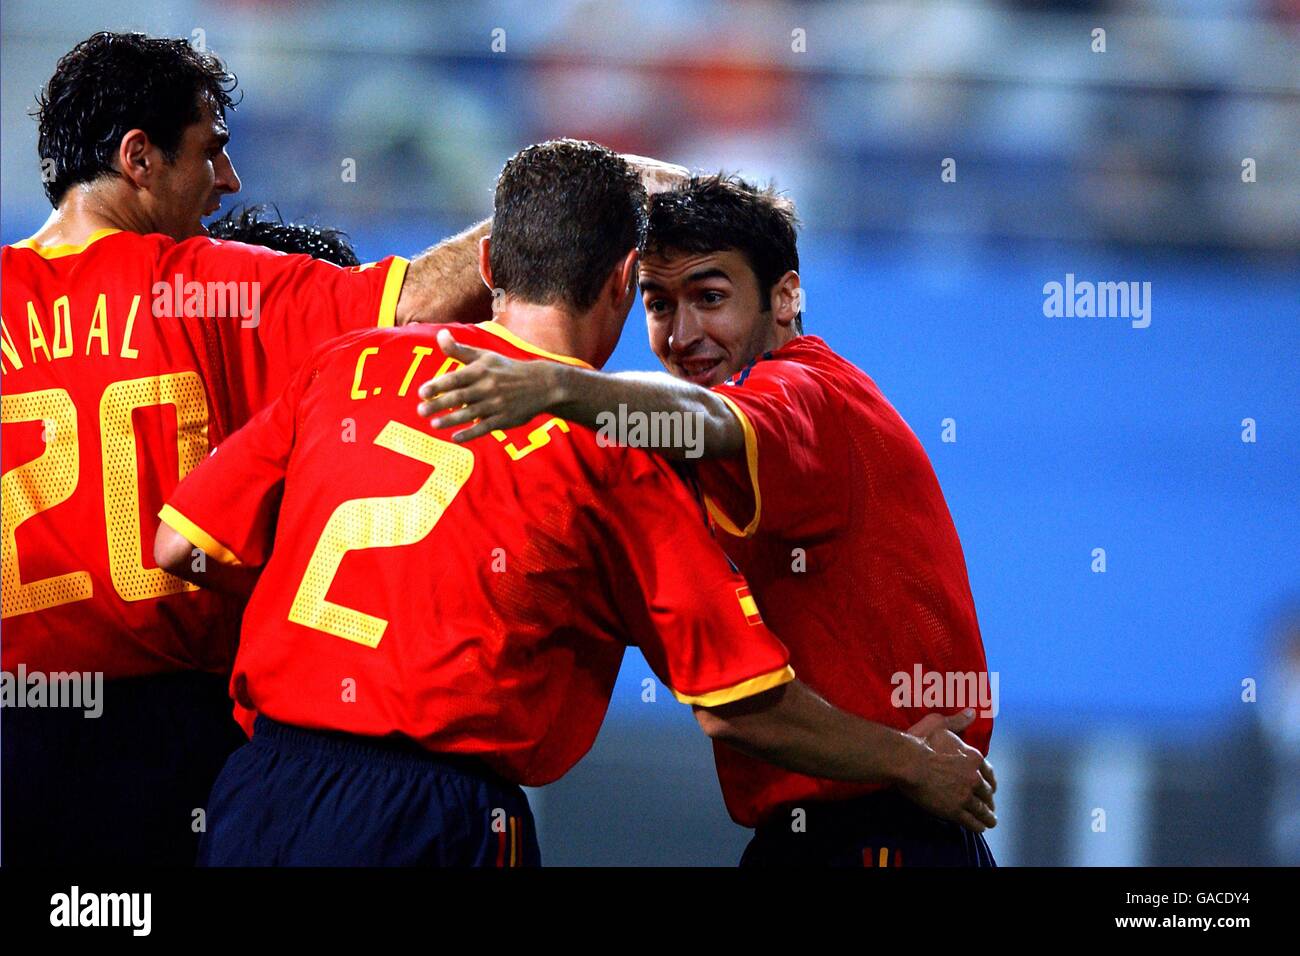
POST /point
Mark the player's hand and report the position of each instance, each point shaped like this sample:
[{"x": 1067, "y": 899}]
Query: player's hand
[
  {"x": 491, "y": 390},
  {"x": 955, "y": 781},
  {"x": 943, "y": 734},
  {"x": 656, "y": 175}
]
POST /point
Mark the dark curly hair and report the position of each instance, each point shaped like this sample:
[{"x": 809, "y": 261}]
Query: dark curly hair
[
  {"x": 566, "y": 212},
  {"x": 112, "y": 83},
  {"x": 723, "y": 211},
  {"x": 256, "y": 226}
]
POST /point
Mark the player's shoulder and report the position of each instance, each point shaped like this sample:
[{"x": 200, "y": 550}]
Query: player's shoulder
[
  {"x": 615, "y": 464},
  {"x": 350, "y": 342},
  {"x": 114, "y": 242},
  {"x": 346, "y": 347},
  {"x": 804, "y": 364},
  {"x": 206, "y": 246}
]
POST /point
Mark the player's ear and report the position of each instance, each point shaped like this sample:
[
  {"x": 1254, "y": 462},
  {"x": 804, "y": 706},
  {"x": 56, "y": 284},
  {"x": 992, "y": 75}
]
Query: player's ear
[
  {"x": 622, "y": 285},
  {"x": 485, "y": 261},
  {"x": 136, "y": 157},
  {"x": 787, "y": 299}
]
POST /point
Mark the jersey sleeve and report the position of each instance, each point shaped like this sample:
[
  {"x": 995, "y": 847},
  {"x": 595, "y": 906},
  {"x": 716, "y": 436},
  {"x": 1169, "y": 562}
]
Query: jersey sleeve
[
  {"x": 279, "y": 308},
  {"x": 677, "y": 596},
  {"x": 787, "y": 481},
  {"x": 228, "y": 504}
]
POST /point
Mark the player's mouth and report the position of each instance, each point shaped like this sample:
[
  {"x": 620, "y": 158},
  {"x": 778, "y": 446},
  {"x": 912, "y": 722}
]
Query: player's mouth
[{"x": 699, "y": 370}]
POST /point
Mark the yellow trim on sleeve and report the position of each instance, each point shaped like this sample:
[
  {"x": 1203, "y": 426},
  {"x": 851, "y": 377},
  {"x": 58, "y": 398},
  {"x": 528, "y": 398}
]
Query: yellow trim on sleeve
[
  {"x": 748, "y": 688},
  {"x": 197, "y": 536},
  {"x": 392, "y": 292},
  {"x": 751, "y": 458},
  {"x": 58, "y": 252},
  {"x": 501, "y": 331}
]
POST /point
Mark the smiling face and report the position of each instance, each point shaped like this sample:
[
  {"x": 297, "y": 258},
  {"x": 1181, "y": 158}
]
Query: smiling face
[
  {"x": 705, "y": 315},
  {"x": 191, "y": 186}
]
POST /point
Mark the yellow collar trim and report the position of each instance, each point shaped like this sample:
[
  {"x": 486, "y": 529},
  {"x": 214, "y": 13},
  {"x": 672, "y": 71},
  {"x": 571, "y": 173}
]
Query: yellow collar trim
[
  {"x": 58, "y": 252},
  {"x": 502, "y": 332}
]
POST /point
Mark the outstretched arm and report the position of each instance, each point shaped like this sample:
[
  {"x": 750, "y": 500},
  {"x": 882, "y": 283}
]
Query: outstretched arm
[
  {"x": 501, "y": 393},
  {"x": 443, "y": 284}
]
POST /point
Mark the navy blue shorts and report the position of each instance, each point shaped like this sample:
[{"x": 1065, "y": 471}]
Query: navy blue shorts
[
  {"x": 295, "y": 797},
  {"x": 121, "y": 788},
  {"x": 880, "y": 829}
]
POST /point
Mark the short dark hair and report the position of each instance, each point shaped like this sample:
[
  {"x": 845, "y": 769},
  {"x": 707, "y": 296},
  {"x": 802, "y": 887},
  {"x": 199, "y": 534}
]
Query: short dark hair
[
  {"x": 112, "y": 83},
  {"x": 722, "y": 211},
  {"x": 566, "y": 211},
  {"x": 256, "y": 226}
]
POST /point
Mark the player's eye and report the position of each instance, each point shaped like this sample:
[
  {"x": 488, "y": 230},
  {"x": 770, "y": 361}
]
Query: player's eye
[
  {"x": 712, "y": 297},
  {"x": 656, "y": 305}
]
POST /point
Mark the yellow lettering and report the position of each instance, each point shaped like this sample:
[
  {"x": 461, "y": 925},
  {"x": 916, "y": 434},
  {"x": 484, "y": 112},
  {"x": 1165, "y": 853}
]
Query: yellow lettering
[
  {"x": 539, "y": 437},
  {"x": 62, "y": 328},
  {"x": 357, "y": 391},
  {"x": 450, "y": 365},
  {"x": 419, "y": 352},
  {"x": 99, "y": 326},
  {"x": 35, "y": 335},
  {"x": 7, "y": 347},
  {"x": 127, "y": 350}
]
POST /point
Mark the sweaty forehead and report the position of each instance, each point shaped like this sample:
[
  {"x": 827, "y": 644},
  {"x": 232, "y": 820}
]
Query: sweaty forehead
[
  {"x": 211, "y": 124},
  {"x": 673, "y": 268}
]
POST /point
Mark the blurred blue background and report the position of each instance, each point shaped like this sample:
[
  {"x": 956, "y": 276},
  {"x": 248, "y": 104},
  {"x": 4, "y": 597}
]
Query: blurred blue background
[{"x": 1165, "y": 690}]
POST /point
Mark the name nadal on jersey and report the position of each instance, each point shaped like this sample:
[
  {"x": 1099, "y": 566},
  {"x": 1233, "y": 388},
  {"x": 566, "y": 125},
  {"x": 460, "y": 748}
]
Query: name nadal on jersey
[
  {"x": 102, "y": 337},
  {"x": 113, "y": 335}
]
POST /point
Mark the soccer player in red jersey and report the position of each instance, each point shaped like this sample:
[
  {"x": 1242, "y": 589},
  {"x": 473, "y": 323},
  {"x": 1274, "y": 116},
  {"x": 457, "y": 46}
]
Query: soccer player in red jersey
[
  {"x": 821, "y": 494},
  {"x": 131, "y": 344},
  {"x": 399, "y": 709}
]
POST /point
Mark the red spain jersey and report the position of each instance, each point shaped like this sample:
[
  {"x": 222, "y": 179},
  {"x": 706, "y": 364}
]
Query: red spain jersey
[
  {"x": 476, "y": 598},
  {"x": 836, "y": 519},
  {"x": 124, "y": 360}
]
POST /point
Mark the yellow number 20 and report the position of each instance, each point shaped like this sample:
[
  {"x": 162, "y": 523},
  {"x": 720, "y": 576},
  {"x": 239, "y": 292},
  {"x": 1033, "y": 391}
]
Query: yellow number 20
[
  {"x": 379, "y": 523},
  {"x": 52, "y": 478}
]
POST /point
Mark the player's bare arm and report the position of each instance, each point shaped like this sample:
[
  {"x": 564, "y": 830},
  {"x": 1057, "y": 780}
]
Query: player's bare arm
[
  {"x": 793, "y": 727},
  {"x": 443, "y": 284},
  {"x": 175, "y": 554},
  {"x": 493, "y": 392}
]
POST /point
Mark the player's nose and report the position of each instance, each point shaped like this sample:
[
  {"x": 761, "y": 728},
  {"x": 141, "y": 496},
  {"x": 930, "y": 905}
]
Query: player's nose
[
  {"x": 685, "y": 331},
  {"x": 227, "y": 178}
]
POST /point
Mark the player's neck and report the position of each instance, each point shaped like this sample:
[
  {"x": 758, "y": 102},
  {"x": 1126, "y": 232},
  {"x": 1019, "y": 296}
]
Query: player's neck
[
  {"x": 777, "y": 336},
  {"x": 784, "y": 335},
  {"x": 86, "y": 210},
  {"x": 552, "y": 329}
]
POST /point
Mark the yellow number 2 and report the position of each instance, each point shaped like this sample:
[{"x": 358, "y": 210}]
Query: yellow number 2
[
  {"x": 379, "y": 523},
  {"x": 31, "y": 488}
]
